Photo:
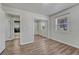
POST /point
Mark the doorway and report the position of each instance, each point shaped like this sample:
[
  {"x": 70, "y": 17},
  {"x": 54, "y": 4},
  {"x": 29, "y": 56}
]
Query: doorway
[
  {"x": 13, "y": 41},
  {"x": 41, "y": 28},
  {"x": 13, "y": 26}
]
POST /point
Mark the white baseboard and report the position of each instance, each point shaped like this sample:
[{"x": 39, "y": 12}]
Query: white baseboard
[
  {"x": 75, "y": 46},
  {"x": 26, "y": 43},
  {"x": 1, "y": 50},
  {"x": 42, "y": 35}
]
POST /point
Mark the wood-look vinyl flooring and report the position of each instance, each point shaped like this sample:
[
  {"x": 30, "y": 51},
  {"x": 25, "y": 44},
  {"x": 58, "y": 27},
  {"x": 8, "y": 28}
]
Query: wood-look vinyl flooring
[{"x": 40, "y": 46}]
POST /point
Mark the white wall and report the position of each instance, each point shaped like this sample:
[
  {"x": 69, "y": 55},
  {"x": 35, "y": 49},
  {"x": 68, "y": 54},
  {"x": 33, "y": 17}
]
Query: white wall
[
  {"x": 2, "y": 29},
  {"x": 27, "y": 23},
  {"x": 71, "y": 37}
]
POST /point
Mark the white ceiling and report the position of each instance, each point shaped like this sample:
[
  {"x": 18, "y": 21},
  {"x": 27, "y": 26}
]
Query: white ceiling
[{"x": 41, "y": 8}]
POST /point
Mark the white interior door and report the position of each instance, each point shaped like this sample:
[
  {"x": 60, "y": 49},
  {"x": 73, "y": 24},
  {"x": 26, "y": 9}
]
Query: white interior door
[{"x": 10, "y": 27}]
